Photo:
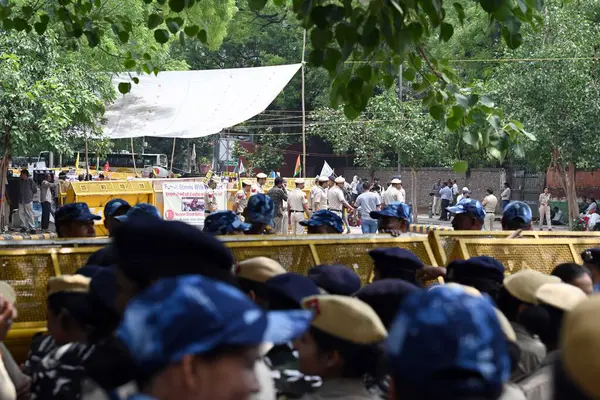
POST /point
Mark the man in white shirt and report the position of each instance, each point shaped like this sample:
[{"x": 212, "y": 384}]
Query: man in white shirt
[
  {"x": 261, "y": 179},
  {"x": 46, "y": 200},
  {"x": 446, "y": 196},
  {"x": 320, "y": 198},
  {"x": 489, "y": 204},
  {"x": 366, "y": 202},
  {"x": 335, "y": 198},
  {"x": 395, "y": 193},
  {"x": 297, "y": 207},
  {"x": 454, "y": 190},
  {"x": 466, "y": 194}
]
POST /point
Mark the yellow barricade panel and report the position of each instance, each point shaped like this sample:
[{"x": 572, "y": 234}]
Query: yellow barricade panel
[
  {"x": 294, "y": 258},
  {"x": 70, "y": 260},
  {"x": 517, "y": 254}
]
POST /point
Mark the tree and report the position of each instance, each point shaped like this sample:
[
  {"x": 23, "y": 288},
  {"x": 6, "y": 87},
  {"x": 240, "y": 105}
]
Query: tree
[
  {"x": 360, "y": 44},
  {"x": 559, "y": 99}
]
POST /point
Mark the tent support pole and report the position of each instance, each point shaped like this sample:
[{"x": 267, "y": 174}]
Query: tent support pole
[
  {"x": 87, "y": 162},
  {"x": 173, "y": 154},
  {"x": 303, "y": 110},
  {"x": 133, "y": 158}
]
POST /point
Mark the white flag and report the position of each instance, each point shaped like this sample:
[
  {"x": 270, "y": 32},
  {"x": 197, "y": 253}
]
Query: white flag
[
  {"x": 241, "y": 168},
  {"x": 327, "y": 170}
]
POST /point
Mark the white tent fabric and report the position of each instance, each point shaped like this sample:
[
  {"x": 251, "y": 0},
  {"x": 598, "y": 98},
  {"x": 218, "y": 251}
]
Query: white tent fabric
[{"x": 190, "y": 104}]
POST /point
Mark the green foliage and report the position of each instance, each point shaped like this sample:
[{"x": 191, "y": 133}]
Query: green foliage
[{"x": 267, "y": 155}]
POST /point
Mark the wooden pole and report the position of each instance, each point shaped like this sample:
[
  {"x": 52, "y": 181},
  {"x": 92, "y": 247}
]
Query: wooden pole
[
  {"x": 303, "y": 110},
  {"x": 87, "y": 162},
  {"x": 173, "y": 154},
  {"x": 133, "y": 158}
]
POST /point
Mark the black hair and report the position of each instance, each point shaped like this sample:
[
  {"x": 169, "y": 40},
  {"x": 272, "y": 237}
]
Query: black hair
[
  {"x": 564, "y": 387},
  {"x": 376, "y": 188},
  {"x": 507, "y": 184},
  {"x": 508, "y": 304},
  {"x": 259, "y": 288},
  {"x": 514, "y": 224},
  {"x": 278, "y": 181},
  {"x": 25, "y": 171},
  {"x": 568, "y": 272},
  {"x": 545, "y": 321},
  {"x": 593, "y": 199},
  {"x": 360, "y": 360},
  {"x": 366, "y": 186},
  {"x": 490, "y": 190}
]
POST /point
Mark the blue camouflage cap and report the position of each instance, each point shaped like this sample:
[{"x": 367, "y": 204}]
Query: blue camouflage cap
[
  {"x": 75, "y": 212},
  {"x": 517, "y": 209},
  {"x": 468, "y": 206},
  {"x": 224, "y": 222},
  {"x": 140, "y": 210},
  {"x": 451, "y": 338},
  {"x": 292, "y": 286},
  {"x": 113, "y": 205},
  {"x": 335, "y": 279},
  {"x": 324, "y": 217},
  {"x": 192, "y": 315},
  {"x": 395, "y": 210},
  {"x": 261, "y": 209}
]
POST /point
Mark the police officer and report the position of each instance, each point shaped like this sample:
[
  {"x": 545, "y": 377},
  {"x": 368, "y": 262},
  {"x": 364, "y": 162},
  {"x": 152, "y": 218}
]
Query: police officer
[
  {"x": 591, "y": 259},
  {"x": 259, "y": 214},
  {"x": 347, "y": 333},
  {"x": 555, "y": 300},
  {"x": 485, "y": 274},
  {"x": 516, "y": 215},
  {"x": 252, "y": 275},
  {"x": 335, "y": 279},
  {"x": 257, "y": 188},
  {"x": 336, "y": 202},
  {"x": 224, "y": 223},
  {"x": 385, "y": 297},
  {"x": 323, "y": 222},
  {"x": 210, "y": 200},
  {"x": 297, "y": 207},
  {"x": 396, "y": 263},
  {"x": 468, "y": 215},
  {"x": 313, "y": 191},
  {"x": 395, "y": 192},
  {"x": 75, "y": 220},
  {"x": 112, "y": 209},
  {"x": 517, "y": 293},
  {"x": 241, "y": 198},
  {"x": 393, "y": 218},
  {"x": 189, "y": 363},
  {"x": 320, "y": 198},
  {"x": 452, "y": 368}
]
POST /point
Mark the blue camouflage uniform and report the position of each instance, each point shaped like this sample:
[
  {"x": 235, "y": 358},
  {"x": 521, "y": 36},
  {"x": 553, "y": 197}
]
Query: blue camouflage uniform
[
  {"x": 140, "y": 210},
  {"x": 325, "y": 217},
  {"x": 394, "y": 210},
  {"x": 442, "y": 331},
  {"x": 194, "y": 315},
  {"x": 471, "y": 206},
  {"x": 224, "y": 222},
  {"x": 517, "y": 210},
  {"x": 261, "y": 210},
  {"x": 74, "y": 212}
]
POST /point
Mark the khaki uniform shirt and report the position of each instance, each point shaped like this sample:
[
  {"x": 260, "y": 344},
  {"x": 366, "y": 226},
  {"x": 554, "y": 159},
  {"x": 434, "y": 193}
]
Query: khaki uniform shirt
[
  {"x": 512, "y": 392},
  {"x": 256, "y": 188},
  {"x": 335, "y": 198},
  {"x": 313, "y": 193},
  {"x": 320, "y": 200},
  {"x": 241, "y": 201},
  {"x": 210, "y": 200},
  {"x": 492, "y": 202},
  {"x": 297, "y": 200},
  {"x": 533, "y": 352},
  {"x": 394, "y": 195},
  {"x": 545, "y": 199},
  {"x": 346, "y": 389},
  {"x": 539, "y": 385}
]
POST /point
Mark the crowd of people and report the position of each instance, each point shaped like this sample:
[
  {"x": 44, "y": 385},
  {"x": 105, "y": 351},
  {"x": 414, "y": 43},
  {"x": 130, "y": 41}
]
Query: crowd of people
[{"x": 182, "y": 319}]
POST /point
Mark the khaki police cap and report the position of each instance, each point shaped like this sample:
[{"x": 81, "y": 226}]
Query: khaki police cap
[
  {"x": 260, "y": 175},
  {"x": 69, "y": 283},
  {"x": 507, "y": 329},
  {"x": 524, "y": 284},
  {"x": 560, "y": 295},
  {"x": 299, "y": 181},
  {"x": 259, "y": 269},
  {"x": 247, "y": 183},
  {"x": 323, "y": 178},
  {"x": 396, "y": 181},
  {"x": 340, "y": 179},
  {"x": 347, "y": 318},
  {"x": 580, "y": 345},
  {"x": 7, "y": 292}
]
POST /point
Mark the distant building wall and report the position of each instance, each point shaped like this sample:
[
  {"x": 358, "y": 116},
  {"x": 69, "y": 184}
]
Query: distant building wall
[{"x": 587, "y": 183}]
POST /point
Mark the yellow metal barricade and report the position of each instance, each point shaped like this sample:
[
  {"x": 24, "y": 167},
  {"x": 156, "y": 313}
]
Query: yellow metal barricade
[
  {"x": 97, "y": 193},
  {"x": 442, "y": 242}
]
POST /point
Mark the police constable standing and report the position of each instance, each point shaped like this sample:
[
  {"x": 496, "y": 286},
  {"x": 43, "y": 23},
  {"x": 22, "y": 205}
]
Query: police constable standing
[
  {"x": 210, "y": 200},
  {"x": 320, "y": 199},
  {"x": 257, "y": 188},
  {"x": 335, "y": 198},
  {"x": 297, "y": 207},
  {"x": 241, "y": 198},
  {"x": 313, "y": 192}
]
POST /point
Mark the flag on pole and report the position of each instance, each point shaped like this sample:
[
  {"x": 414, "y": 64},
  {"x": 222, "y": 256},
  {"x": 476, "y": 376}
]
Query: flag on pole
[
  {"x": 327, "y": 170},
  {"x": 77, "y": 162},
  {"x": 240, "y": 169},
  {"x": 298, "y": 168}
]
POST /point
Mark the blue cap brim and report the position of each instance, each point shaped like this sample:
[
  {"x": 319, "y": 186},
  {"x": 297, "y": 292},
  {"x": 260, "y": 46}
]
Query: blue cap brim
[
  {"x": 244, "y": 226},
  {"x": 88, "y": 217},
  {"x": 311, "y": 222},
  {"x": 122, "y": 218},
  {"x": 455, "y": 210}
]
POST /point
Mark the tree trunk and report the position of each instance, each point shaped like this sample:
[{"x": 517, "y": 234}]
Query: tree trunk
[
  {"x": 566, "y": 175},
  {"x": 414, "y": 198},
  {"x": 5, "y": 210}
]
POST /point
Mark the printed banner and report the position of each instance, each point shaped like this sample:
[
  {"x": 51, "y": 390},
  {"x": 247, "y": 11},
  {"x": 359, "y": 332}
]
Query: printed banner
[{"x": 185, "y": 201}]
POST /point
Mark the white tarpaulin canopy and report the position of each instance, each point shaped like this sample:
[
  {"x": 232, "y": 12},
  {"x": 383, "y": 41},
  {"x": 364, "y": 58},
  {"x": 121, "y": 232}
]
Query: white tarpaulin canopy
[{"x": 190, "y": 104}]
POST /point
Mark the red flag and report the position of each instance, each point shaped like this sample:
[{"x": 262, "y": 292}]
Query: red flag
[{"x": 106, "y": 167}]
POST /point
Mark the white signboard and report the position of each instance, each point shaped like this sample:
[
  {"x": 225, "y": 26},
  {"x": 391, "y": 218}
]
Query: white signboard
[{"x": 185, "y": 201}]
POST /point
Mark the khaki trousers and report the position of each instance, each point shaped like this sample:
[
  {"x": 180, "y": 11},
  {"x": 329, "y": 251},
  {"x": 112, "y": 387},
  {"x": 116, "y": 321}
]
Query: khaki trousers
[
  {"x": 297, "y": 229},
  {"x": 545, "y": 212},
  {"x": 489, "y": 221}
]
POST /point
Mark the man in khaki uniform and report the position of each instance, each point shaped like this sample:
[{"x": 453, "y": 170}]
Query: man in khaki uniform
[
  {"x": 257, "y": 188},
  {"x": 395, "y": 193},
  {"x": 313, "y": 192},
  {"x": 320, "y": 199},
  {"x": 335, "y": 198},
  {"x": 489, "y": 204},
  {"x": 210, "y": 200},
  {"x": 297, "y": 207},
  {"x": 241, "y": 198}
]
